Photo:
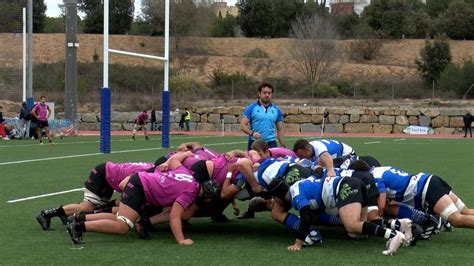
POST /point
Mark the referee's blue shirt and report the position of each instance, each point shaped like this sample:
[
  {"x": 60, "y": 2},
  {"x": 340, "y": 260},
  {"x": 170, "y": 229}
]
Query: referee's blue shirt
[{"x": 263, "y": 119}]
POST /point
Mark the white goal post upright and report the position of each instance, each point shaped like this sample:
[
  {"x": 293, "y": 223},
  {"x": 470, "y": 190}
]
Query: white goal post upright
[{"x": 105, "y": 101}]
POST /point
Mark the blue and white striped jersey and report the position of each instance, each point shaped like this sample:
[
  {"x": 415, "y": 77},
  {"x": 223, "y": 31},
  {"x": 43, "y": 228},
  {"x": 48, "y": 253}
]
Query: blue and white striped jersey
[
  {"x": 317, "y": 193},
  {"x": 333, "y": 147},
  {"x": 399, "y": 185}
]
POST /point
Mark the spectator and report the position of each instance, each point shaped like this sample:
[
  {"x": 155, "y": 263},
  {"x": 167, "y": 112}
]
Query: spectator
[
  {"x": 140, "y": 123},
  {"x": 2, "y": 125},
  {"x": 42, "y": 113},
  {"x": 181, "y": 121},
  {"x": 25, "y": 121},
  {"x": 262, "y": 119},
  {"x": 153, "y": 120},
  {"x": 467, "y": 119},
  {"x": 187, "y": 118}
]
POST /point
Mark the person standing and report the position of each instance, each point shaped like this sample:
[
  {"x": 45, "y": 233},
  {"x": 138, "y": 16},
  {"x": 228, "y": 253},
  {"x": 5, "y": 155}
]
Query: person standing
[
  {"x": 263, "y": 119},
  {"x": 187, "y": 118},
  {"x": 153, "y": 120},
  {"x": 2, "y": 125},
  {"x": 467, "y": 119},
  {"x": 42, "y": 112},
  {"x": 140, "y": 123},
  {"x": 25, "y": 118}
]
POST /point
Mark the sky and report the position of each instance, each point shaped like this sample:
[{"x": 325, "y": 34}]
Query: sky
[{"x": 54, "y": 11}]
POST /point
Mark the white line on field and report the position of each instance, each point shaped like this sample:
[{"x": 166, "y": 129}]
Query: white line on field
[
  {"x": 373, "y": 142},
  {"x": 93, "y": 141},
  {"x": 98, "y": 153},
  {"x": 398, "y": 139},
  {"x": 46, "y": 195}
]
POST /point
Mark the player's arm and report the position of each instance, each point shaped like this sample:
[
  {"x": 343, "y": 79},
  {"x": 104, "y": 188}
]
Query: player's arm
[
  {"x": 244, "y": 126},
  {"x": 325, "y": 161},
  {"x": 189, "y": 146},
  {"x": 281, "y": 134},
  {"x": 303, "y": 230},
  {"x": 245, "y": 167},
  {"x": 33, "y": 111},
  {"x": 49, "y": 112},
  {"x": 228, "y": 189},
  {"x": 175, "y": 161},
  {"x": 382, "y": 201},
  {"x": 175, "y": 223}
]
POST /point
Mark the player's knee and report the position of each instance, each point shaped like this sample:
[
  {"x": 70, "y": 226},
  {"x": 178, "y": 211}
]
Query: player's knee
[
  {"x": 449, "y": 213},
  {"x": 125, "y": 224},
  {"x": 352, "y": 228}
]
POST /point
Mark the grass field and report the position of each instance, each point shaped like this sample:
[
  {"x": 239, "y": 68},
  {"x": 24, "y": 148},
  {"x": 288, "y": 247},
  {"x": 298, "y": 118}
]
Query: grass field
[{"x": 257, "y": 241}]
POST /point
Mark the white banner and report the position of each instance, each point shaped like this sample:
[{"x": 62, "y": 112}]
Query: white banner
[{"x": 418, "y": 130}]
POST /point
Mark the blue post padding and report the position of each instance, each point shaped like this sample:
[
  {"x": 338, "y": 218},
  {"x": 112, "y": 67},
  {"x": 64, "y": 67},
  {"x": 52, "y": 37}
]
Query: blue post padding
[
  {"x": 105, "y": 106},
  {"x": 30, "y": 102},
  {"x": 165, "y": 127}
]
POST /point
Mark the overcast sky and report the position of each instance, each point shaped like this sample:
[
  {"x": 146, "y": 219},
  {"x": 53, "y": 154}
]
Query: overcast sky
[{"x": 54, "y": 11}]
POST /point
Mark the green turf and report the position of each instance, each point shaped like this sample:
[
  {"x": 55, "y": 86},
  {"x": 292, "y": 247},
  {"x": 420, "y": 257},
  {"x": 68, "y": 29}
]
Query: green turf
[{"x": 258, "y": 241}]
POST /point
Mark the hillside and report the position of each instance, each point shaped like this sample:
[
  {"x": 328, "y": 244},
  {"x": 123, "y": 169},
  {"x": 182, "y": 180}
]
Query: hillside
[{"x": 202, "y": 55}]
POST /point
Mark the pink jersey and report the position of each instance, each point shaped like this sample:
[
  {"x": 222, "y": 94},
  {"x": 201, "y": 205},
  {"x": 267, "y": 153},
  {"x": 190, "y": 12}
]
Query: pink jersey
[
  {"x": 190, "y": 160},
  {"x": 165, "y": 188},
  {"x": 221, "y": 167},
  {"x": 141, "y": 118},
  {"x": 208, "y": 153},
  {"x": 281, "y": 152},
  {"x": 41, "y": 111},
  {"x": 116, "y": 172}
]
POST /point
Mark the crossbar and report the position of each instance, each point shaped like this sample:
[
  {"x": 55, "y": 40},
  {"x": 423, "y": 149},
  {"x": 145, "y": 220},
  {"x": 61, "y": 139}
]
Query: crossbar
[{"x": 136, "y": 54}]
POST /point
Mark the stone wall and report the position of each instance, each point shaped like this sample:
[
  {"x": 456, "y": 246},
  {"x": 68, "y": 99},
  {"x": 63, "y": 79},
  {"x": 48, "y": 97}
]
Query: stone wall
[{"x": 306, "y": 119}]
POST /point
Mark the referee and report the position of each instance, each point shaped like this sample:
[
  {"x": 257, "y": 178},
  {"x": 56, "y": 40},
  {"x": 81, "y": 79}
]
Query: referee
[{"x": 263, "y": 119}]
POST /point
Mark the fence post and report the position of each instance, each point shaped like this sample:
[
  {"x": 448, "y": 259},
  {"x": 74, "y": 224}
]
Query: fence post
[
  {"x": 354, "y": 92},
  {"x": 393, "y": 90},
  {"x": 433, "y": 94}
]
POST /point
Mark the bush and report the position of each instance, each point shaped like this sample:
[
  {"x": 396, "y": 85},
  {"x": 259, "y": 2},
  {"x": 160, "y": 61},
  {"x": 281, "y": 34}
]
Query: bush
[
  {"x": 365, "y": 49},
  {"x": 233, "y": 85},
  {"x": 257, "y": 53},
  {"x": 186, "y": 87},
  {"x": 457, "y": 79},
  {"x": 319, "y": 91}
]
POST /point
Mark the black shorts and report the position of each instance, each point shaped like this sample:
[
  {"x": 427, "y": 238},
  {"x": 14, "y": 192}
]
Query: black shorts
[
  {"x": 199, "y": 171},
  {"x": 372, "y": 191},
  {"x": 42, "y": 124},
  {"x": 295, "y": 173},
  {"x": 97, "y": 183},
  {"x": 351, "y": 190},
  {"x": 134, "y": 196},
  {"x": 437, "y": 188}
]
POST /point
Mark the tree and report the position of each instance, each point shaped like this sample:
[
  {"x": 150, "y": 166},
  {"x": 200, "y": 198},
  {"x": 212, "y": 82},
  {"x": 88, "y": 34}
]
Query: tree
[
  {"x": 457, "y": 22},
  {"x": 436, "y": 7},
  {"x": 387, "y": 18},
  {"x": 185, "y": 18},
  {"x": 435, "y": 57},
  {"x": 120, "y": 16},
  {"x": 347, "y": 24},
  {"x": 39, "y": 16},
  {"x": 265, "y": 18},
  {"x": 458, "y": 78},
  {"x": 314, "y": 50},
  {"x": 224, "y": 27}
]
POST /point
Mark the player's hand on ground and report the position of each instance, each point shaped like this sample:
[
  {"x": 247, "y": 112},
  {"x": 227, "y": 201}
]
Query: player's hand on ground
[
  {"x": 186, "y": 242},
  {"x": 294, "y": 248}
]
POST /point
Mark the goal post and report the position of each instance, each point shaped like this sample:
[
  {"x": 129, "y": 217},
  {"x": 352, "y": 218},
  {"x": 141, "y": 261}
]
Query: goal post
[{"x": 106, "y": 92}]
